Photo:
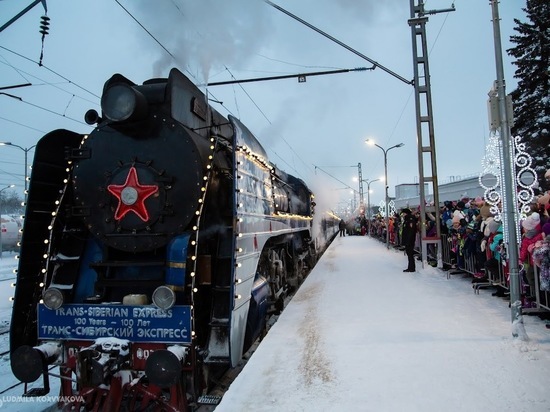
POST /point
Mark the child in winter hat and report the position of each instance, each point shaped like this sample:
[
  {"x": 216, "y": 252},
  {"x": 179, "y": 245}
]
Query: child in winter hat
[{"x": 531, "y": 222}]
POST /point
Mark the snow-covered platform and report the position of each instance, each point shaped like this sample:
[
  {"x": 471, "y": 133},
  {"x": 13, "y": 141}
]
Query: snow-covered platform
[{"x": 361, "y": 335}]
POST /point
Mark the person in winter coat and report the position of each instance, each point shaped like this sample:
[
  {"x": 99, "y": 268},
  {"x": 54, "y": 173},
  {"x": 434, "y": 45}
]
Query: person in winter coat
[
  {"x": 342, "y": 227},
  {"x": 494, "y": 242},
  {"x": 541, "y": 258},
  {"x": 532, "y": 232},
  {"x": 408, "y": 237}
]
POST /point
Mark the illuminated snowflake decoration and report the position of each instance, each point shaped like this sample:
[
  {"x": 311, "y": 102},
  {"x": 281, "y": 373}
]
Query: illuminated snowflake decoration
[
  {"x": 391, "y": 208},
  {"x": 525, "y": 178},
  {"x": 382, "y": 208},
  {"x": 492, "y": 178}
]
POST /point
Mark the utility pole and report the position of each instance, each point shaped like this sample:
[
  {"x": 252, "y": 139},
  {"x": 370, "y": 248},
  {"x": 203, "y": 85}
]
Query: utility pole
[
  {"x": 361, "y": 193},
  {"x": 425, "y": 122},
  {"x": 510, "y": 224}
]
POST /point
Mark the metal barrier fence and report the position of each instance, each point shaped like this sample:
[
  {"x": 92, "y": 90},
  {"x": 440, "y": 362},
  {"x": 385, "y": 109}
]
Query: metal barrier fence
[
  {"x": 454, "y": 258},
  {"x": 494, "y": 278},
  {"x": 542, "y": 297},
  {"x": 455, "y": 262}
]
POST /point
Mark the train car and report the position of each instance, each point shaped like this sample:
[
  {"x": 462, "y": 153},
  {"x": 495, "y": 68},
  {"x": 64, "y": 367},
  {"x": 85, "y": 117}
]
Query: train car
[
  {"x": 10, "y": 236},
  {"x": 153, "y": 250}
]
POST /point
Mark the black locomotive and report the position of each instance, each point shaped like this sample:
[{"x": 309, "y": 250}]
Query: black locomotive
[{"x": 153, "y": 249}]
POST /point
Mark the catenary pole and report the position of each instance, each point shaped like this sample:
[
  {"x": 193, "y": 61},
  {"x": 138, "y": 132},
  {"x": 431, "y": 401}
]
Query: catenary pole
[{"x": 509, "y": 187}]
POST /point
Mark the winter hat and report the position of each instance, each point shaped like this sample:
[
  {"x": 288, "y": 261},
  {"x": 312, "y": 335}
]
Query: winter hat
[
  {"x": 459, "y": 213},
  {"x": 456, "y": 221},
  {"x": 528, "y": 224},
  {"x": 478, "y": 201},
  {"x": 460, "y": 204},
  {"x": 531, "y": 221}
]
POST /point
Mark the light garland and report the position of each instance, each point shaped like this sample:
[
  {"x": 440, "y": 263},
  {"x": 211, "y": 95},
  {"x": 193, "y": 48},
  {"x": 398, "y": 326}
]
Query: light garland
[
  {"x": 382, "y": 208},
  {"x": 492, "y": 178},
  {"x": 391, "y": 208}
]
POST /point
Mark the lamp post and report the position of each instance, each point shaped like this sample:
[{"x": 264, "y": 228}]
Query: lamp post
[
  {"x": 385, "y": 151},
  {"x": 26, "y": 150},
  {"x": 1, "y": 190},
  {"x": 368, "y": 182}
]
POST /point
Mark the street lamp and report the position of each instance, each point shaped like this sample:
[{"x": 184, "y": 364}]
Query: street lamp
[
  {"x": 1, "y": 190},
  {"x": 26, "y": 150},
  {"x": 387, "y": 218},
  {"x": 368, "y": 182}
]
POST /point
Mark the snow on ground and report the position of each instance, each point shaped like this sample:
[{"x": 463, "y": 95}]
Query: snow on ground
[{"x": 361, "y": 335}]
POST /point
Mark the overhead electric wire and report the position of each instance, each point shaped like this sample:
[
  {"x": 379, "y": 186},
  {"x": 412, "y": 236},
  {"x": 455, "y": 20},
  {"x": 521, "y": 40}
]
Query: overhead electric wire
[
  {"x": 298, "y": 65},
  {"x": 269, "y": 121},
  {"x": 43, "y": 108},
  {"x": 50, "y": 70},
  {"x": 44, "y": 83},
  {"x": 288, "y": 76},
  {"x": 147, "y": 31},
  {"x": 23, "y": 125},
  {"x": 335, "y": 178},
  {"x": 328, "y": 36}
]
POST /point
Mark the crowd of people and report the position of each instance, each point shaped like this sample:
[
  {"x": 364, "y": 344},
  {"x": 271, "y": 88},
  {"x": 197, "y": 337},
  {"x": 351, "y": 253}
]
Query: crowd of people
[{"x": 475, "y": 239}]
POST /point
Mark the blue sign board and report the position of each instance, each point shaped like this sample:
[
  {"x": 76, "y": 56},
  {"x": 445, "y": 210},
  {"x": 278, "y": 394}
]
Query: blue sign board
[{"x": 134, "y": 323}]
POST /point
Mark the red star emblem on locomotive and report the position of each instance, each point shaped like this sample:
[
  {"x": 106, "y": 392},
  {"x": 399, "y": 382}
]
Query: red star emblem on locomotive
[{"x": 131, "y": 196}]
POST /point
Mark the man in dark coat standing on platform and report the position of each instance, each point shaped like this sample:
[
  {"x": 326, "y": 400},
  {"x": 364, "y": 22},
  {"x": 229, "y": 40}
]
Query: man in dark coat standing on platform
[
  {"x": 342, "y": 227},
  {"x": 408, "y": 237}
]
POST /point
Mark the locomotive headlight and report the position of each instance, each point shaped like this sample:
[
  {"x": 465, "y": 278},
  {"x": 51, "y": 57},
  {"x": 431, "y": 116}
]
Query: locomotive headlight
[
  {"x": 164, "y": 297},
  {"x": 121, "y": 102},
  {"x": 53, "y": 298}
]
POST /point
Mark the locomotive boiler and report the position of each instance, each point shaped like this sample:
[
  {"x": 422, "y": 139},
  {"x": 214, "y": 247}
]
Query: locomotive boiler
[{"x": 153, "y": 250}]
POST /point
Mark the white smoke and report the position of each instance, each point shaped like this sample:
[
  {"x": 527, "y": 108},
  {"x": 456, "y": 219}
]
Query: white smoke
[{"x": 203, "y": 35}]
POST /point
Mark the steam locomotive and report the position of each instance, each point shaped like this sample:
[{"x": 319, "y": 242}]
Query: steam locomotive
[{"x": 154, "y": 249}]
